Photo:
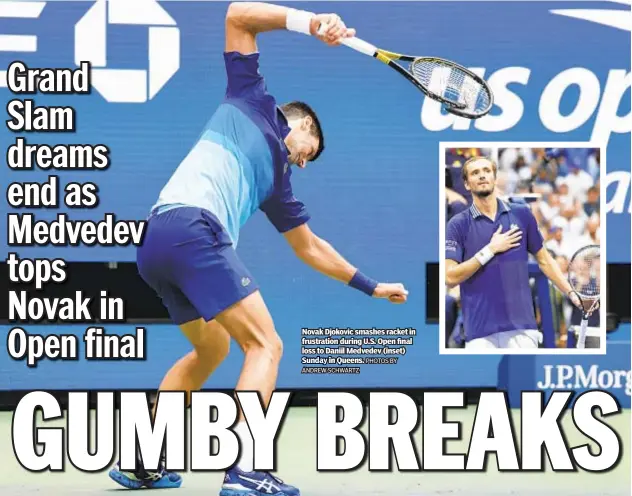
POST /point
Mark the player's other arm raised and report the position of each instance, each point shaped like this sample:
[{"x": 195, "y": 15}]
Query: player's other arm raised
[
  {"x": 244, "y": 20},
  {"x": 321, "y": 256}
]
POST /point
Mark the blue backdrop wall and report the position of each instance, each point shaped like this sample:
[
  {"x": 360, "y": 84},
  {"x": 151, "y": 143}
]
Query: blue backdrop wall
[{"x": 374, "y": 193}]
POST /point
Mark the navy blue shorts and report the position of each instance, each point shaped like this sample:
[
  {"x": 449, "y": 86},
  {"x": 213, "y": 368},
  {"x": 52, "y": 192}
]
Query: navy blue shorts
[{"x": 188, "y": 258}]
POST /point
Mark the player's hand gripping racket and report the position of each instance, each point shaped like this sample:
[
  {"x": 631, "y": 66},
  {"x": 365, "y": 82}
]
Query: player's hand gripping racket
[
  {"x": 462, "y": 92},
  {"x": 584, "y": 276}
]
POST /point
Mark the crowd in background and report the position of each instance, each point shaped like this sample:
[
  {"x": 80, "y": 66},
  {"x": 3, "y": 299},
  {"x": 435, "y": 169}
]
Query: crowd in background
[{"x": 562, "y": 188}]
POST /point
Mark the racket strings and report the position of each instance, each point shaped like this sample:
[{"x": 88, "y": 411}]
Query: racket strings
[
  {"x": 451, "y": 84},
  {"x": 585, "y": 273}
]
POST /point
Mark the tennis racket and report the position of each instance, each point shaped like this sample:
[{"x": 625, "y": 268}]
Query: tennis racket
[
  {"x": 584, "y": 276},
  {"x": 462, "y": 92}
]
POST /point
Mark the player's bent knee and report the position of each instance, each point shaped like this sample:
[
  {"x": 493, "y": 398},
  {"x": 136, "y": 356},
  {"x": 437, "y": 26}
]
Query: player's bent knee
[
  {"x": 273, "y": 346},
  {"x": 278, "y": 344},
  {"x": 210, "y": 341},
  {"x": 216, "y": 348},
  {"x": 268, "y": 343}
]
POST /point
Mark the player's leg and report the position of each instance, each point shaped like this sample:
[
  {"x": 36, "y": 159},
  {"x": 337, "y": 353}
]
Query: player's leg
[
  {"x": 195, "y": 269},
  {"x": 211, "y": 344},
  {"x": 158, "y": 259},
  {"x": 249, "y": 322},
  {"x": 218, "y": 286}
]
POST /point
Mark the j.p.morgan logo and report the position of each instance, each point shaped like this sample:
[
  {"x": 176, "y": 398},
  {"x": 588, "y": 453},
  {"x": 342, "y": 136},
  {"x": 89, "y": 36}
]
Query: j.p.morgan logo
[{"x": 579, "y": 377}]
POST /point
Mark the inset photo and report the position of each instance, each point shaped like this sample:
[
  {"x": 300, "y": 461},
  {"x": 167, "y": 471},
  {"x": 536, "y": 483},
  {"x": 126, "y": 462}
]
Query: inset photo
[{"x": 522, "y": 227}]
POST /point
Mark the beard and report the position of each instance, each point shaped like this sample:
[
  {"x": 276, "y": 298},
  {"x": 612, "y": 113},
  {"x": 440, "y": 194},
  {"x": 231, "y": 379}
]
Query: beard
[
  {"x": 483, "y": 193},
  {"x": 292, "y": 157}
]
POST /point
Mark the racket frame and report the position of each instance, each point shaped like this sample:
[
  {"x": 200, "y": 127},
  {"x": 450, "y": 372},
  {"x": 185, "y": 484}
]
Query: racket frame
[
  {"x": 584, "y": 300},
  {"x": 387, "y": 57}
]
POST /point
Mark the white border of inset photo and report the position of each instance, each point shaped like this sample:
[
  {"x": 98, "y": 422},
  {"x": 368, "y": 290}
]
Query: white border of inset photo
[{"x": 443, "y": 146}]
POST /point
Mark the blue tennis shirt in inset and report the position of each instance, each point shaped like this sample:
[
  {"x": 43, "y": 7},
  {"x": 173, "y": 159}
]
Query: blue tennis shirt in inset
[
  {"x": 240, "y": 162},
  {"x": 497, "y": 297}
]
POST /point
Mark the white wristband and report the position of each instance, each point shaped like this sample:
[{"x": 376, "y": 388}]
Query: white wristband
[
  {"x": 484, "y": 255},
  {"x": 299, "y": 21}
]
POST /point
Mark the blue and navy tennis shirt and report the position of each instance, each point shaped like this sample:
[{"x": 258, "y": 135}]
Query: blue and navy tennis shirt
[
  {"x": 497, "y": 297},
  {"x": 240, "y": 162}
]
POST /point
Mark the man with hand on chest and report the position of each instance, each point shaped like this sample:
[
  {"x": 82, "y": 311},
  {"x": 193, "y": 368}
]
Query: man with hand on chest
[{"x": 487, "y": 251}]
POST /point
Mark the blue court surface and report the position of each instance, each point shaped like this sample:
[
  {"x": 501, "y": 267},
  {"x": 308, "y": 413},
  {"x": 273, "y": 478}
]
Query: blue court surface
[{"x": 297, "y": 464}]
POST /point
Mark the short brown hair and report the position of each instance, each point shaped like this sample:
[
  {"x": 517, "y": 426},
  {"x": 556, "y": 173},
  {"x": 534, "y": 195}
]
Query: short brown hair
[
  {"x": 474, "y": 159},
  {"x": 299, "y": 110}
]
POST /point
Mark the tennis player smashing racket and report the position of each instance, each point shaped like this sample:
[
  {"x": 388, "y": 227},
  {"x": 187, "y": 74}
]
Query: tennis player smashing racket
[
  {"x": 584, "y": 275},
  {"x": 240, "y": 164}
]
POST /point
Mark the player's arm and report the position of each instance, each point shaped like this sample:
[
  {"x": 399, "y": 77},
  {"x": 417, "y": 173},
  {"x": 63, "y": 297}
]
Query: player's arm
[
  {"x": 244, "y": 20},
  {"x": 322, "y": 257},
  {"x": 546, "y": 262},
  {"x": 552, "y": 271},
  {"x": 458, "y": 271}
]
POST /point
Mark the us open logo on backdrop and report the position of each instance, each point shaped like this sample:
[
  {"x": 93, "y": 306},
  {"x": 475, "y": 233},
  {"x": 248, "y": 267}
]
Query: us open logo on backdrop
[
  {"x": 595, "y": 99},
  {"x": 128, "y": 85}
]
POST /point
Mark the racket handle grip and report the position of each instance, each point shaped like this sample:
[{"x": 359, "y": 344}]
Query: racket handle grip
[
  {"x": 581, "y": 338},
  {"x": 355, "y": 43},
  {"x": 360, "y": 45}
]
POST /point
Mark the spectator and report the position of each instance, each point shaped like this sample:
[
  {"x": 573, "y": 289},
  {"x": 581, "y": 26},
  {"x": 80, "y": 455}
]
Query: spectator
[
  {"x": 570, "y": 217},
  {"x": 591, "y": 205},
  {"x": 594, "y": 164},
  {"x": 509, "y": 156},
  {"x": 523, "y": 187},
  {"x": 591, "y": 235},
  {"x": 579, "y": 182},
  {"x": 543, "y": 182},
  {"x": 556, "y": 243},
  {"x": 566, "y": 199},
  {"x": 455, "y": 202},
  {"x": 550, "y": 207},
  {"x": 578, "y": 157},
  {"x": 454, "y": 208},
  {"x": 510, "y": 179},
  {"x": 524, "y": 171},
  {"x": 557, "y": 157}
]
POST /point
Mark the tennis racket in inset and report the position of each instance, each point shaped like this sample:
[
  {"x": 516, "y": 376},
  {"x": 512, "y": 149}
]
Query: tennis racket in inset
[
  {"x": 460, "y": 90},
  {"x": 584, "y": 276}
]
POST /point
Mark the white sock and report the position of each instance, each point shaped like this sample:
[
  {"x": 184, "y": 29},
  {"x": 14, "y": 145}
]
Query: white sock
[{"x": 246, "y": 459}]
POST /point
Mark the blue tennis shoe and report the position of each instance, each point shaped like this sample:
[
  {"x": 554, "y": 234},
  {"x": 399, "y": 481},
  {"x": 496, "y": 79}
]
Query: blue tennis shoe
[
  {"x": 161, "y": 479},
  {"x": 239, "y": 483}
]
